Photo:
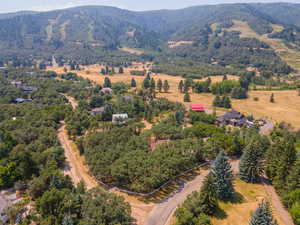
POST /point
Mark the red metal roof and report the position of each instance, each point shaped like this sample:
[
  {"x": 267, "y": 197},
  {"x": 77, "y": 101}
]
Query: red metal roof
[{"x": 197, "y": 107}]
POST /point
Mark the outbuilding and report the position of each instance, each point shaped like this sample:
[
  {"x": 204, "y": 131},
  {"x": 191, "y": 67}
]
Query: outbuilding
[{"x": 197, "y": 108}]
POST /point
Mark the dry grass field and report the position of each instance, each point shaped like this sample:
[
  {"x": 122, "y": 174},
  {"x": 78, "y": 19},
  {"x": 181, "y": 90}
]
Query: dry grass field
[
  {"x": 239, "y": 212},
  {"x": 286, "y": 107}
]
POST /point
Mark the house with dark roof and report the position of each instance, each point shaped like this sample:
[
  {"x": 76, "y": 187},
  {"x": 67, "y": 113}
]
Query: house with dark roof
[
  {"x": 29, "y": 88},
  {"x": 22, "y": 100},
  {"x": 233, "y": 117}
]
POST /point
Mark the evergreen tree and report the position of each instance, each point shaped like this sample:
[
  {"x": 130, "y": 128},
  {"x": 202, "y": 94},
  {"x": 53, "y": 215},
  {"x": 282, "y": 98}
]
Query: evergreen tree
[
  {"x": 159, "y": 85},
  {"x": 223, "y": 177},
  {"x": 103, "y": 71},
  {"x": 107, "y": 83},
  {"x": 180, "y": 86},
  {"x": 166, "y": 86},
  {"x": 251, "y": 164},
  {"x": 208, "y": 197},
  {"x": 280, "y": 159},
  {"x": 226, "y": 102},
  {"x": 272, "y": 99},
  {"x": 152, "y": 84},
  {"x": 121, "y": 70},
  {"x": 262, "y": 215},
  {"x": 187, "y": 97},
  {"x": 293, "y": 180},
  {"x": 146, "y": 83},
  {"x": 133, "y": 83},
  {"x": 217, "y": 101},
  {"x": 239, "y": 93}
]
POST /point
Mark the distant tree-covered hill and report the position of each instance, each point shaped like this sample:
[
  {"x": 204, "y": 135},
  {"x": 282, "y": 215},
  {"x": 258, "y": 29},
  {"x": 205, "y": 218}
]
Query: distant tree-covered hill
[{"x": 93, "y": 31}]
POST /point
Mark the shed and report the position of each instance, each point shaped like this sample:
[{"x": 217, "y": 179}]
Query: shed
[
  {"x": 16, "y": 83},
  {"x": 29, "y": 88},
  {"x": 197, "y": 108},
  {"x": 106, "y": 91},
  {"x": 119, "y": 118},
  {"x": 98, "y": 110}
]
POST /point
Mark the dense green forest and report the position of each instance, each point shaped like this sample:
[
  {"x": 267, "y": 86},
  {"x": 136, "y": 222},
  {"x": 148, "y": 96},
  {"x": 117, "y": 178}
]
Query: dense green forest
[{"x": 31, "y": 157}]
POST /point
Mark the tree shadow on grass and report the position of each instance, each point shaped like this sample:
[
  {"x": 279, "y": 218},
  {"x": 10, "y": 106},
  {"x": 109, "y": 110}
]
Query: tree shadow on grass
[
  {"x": 236, "y": 199},
  {"x": 220, "y": 214}
]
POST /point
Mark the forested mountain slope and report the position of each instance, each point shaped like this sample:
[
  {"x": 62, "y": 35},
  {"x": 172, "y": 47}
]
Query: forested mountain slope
[{"x": 92, "y": 31}]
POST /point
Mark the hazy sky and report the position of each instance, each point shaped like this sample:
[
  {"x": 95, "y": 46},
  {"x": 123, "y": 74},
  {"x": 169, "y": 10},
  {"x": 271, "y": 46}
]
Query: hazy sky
[{"x": 43, "y": 5}]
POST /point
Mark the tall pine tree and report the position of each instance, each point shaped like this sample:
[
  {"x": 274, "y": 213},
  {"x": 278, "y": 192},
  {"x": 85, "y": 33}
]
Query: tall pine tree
[
  {"x": 133, "y": 83},
  {"x": 107, "y": 83},
  {"x": 159, "y": 85},
  {"x": 166, "y": 86},
  {"x": 262, "y": 215},
  {"x": 251, "y": 164},
  {"x": 208, "y": 197},
  {"x": 223, "y": 177}
]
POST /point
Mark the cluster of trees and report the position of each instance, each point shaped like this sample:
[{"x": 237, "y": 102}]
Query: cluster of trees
[
  {"x": 31, "y": 157},
  {"x": 283, "y": 169},
  {"x": 223, "y": 102},
  {"x": 218, "y": 185},
  {"x": 279, "y": 161},
  {"x": 111, "y": 70},
  {"x": 121, "y": 156}
]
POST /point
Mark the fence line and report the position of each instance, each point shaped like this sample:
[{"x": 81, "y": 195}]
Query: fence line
[{"x": 157, "y": 189}]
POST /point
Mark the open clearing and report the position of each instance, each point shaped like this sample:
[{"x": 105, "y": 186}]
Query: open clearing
[
  {"x": 248, "y": 198},
  {"x": 286, "y": 107}
]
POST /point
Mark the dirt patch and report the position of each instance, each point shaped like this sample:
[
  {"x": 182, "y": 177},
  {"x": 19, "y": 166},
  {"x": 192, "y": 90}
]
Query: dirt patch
[
  {"x": 176, "y": 44},
  {"x": 132, "y": 50},
  {"x": 62, "y": 30}
]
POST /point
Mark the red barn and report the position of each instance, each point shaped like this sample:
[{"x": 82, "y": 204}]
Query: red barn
[{"x": 197, "y": 108}]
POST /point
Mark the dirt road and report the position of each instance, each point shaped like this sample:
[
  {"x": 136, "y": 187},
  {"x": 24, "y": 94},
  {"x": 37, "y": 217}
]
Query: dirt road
[
  {"x": 277, "y": 205},
  {"x": 75, "y": 165}
]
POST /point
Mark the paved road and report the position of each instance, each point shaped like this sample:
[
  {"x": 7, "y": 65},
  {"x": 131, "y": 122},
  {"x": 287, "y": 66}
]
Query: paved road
[{"x": 162, "y": 212}]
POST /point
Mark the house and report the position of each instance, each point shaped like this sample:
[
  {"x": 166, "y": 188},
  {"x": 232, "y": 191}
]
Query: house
[
  {"x": 119, "y": 118},
  {"x": 98, "y": 110},
  {"x": 233, "y": 118},
  {"x": 21, "y": 100},
  {"x": 17, "y": 84},
  {"x": 106, "y": 91},
  {"x": 29, "y": 88},
  {"x": 197, "y": 108},
  {"x": 127, "y": 98}
]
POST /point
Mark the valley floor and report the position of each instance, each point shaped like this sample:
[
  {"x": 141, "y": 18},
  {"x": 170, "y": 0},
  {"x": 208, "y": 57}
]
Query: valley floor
[{"x": 286, "y": 107}]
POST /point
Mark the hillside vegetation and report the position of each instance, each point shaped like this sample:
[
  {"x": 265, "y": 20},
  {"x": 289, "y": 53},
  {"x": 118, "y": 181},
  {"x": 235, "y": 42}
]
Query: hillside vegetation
[{"x": 91, "y": 34}]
